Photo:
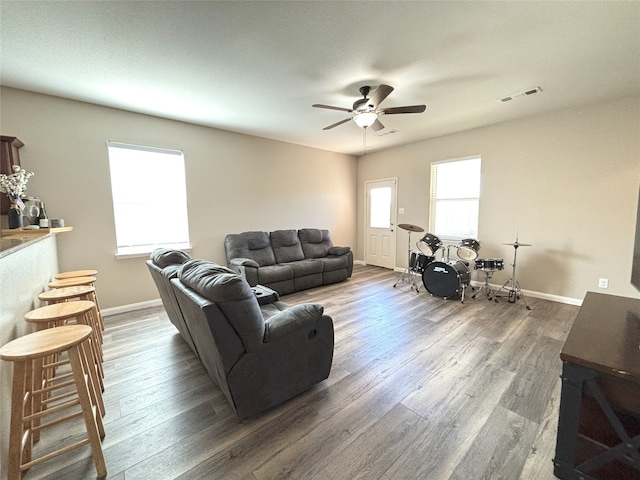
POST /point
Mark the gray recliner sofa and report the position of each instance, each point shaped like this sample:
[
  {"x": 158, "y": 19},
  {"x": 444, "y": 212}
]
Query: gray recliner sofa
[
  {"x": 288, "y": 260},
  {"x": 163, "y": 265},
  {"x": 259, "y": 352}
]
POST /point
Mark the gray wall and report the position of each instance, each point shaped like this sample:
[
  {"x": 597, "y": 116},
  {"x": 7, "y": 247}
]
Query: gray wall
[
  {"x": 235, "y": 183},
  {"x": 567, "y": 182}
]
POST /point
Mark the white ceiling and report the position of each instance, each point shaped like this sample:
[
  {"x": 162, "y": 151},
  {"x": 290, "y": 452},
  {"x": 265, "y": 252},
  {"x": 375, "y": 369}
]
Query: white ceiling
[{"x": 257, "y": 67}]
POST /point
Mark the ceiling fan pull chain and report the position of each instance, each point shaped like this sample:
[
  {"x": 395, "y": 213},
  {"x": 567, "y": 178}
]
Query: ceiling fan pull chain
[{"x": 364, "y": 140}]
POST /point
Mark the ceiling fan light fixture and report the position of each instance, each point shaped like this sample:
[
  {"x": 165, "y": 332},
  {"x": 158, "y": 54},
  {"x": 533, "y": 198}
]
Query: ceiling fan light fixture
[{"x": 365, "y": 119}]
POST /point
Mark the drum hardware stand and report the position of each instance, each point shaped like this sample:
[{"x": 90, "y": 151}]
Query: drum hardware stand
[
  {"x": 486, "y": 286},
  {"x": 515, "y": 292},
  {"x": 409, "y": 274}
]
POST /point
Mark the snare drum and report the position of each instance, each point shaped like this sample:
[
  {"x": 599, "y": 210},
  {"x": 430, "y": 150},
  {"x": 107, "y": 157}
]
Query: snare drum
[
  {"x": 445, "y": 280},
  {"x": 420, "y": 261},
  {"x": 429, "y": 244},
  {"x": 468, "y": 249},
  {"x": 489, "y": 264}
]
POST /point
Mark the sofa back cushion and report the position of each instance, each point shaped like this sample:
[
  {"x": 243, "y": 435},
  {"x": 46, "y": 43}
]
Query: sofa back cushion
[
  {"x": 253, "y": 245},
  {"x": 231, "y": 293},
  {"x": 286, "y": 246},
  {"x": 315, "y": 242},
  {"x": 163, "y": 257}
]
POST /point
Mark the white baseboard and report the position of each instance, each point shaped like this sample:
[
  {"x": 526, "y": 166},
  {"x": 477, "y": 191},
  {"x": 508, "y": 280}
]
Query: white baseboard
[
  {"x": 527, "y": 293},
  {"x": 131, "y": 307}
]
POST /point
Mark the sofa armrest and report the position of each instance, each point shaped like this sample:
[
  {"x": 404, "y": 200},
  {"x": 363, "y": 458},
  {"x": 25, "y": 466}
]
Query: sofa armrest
[
  {"x": 243, "y": 262},
  {"x": 295, "y": 318},
  {"x": 339, "y": 250}
]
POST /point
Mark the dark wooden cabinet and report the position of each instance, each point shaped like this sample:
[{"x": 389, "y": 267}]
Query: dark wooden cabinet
[
  {"x": 9, "y": 156},
  {"x": 599, "y": 421}
]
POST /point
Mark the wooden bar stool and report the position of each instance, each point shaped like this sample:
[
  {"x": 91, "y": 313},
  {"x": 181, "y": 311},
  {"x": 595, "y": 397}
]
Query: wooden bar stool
[
  {"x": 27, "y": 354},
  {"x": 79, "y": 281},
  {"x": 80, "y": 311},
  {"x": 58, "y": 315},
  {"x": 80, "y": 292},
  {"x": 76, "y": 273}
]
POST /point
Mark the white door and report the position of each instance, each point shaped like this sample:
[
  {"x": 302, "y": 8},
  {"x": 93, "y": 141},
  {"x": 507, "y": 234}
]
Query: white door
[{"x": 380, "y": 234}]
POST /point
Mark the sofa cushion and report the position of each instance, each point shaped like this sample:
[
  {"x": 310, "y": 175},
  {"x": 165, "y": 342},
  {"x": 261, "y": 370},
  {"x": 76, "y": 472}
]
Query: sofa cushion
[
  {"x": 231, "y": 293},
  {"x": 253, "y": 245},
  {"x": 286, "y": 246},
  {"x": 164, "y": 257},
  {"x": 332, "y": 263},
  {"x": 302, "y": 268},
  {"x": 315, "y": 242}
]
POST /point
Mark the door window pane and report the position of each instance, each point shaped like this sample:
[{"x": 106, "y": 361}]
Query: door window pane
[{"x": 380, "y": 201}]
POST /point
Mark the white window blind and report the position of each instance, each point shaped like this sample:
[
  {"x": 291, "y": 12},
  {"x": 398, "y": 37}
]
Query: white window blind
[
  {"x": 149, "y": 198},
  {"x": 455, "y": 198}
]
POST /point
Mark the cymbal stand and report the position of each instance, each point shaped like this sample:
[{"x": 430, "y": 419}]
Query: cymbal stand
[
  {"x": 486, "y": 286},
  {"x": 408, "y": 275},
  {"x": 515, "y": 292}
]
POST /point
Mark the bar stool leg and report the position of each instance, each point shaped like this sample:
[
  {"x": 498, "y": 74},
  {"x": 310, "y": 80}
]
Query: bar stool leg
[
  {"x": 88, "y": 411},
  {"x": 17, "y": 450}
]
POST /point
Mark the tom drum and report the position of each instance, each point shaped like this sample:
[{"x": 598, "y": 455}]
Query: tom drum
[
  {"x": 468, "y": 249},
  {"x": 420, "y": 261},
  {"x": 429, "y": 244},
  {"x": 489, "y": 264}
]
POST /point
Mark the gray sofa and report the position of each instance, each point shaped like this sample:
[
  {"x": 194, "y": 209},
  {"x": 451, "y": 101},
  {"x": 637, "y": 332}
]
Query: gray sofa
[
  {"x": 257, "y": 349},
  {"x": 288, "y": 260}
]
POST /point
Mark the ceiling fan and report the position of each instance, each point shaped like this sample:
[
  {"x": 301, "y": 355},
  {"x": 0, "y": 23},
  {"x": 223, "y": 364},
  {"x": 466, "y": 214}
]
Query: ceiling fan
[{"x": 366, "y": 109}]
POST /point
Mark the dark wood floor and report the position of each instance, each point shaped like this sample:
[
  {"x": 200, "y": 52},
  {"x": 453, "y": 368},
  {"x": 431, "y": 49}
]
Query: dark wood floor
[{"x": 421, "y": 388}]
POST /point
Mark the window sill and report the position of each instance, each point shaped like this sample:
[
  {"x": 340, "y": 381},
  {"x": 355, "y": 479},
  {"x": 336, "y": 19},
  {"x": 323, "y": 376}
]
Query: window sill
[{"x": 144, "y": 252}]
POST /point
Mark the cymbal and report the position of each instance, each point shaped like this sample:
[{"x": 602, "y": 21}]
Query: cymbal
[
  {"x": 518, "y": 244},
  {"x": 411, "y": 228}
]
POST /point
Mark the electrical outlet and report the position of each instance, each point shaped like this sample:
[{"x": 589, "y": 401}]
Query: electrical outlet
[
  {"x": 603, "y": 283},
  {"x": 401, "y": 211}
]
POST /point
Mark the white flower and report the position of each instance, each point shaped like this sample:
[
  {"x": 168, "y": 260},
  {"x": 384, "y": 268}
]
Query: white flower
[{"x": 15, "y": 184}]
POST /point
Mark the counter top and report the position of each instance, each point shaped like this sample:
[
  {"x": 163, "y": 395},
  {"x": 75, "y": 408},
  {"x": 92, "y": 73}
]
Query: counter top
[
  {"x": 15, "y": 239},
  {"x": 34, "y": 231}
]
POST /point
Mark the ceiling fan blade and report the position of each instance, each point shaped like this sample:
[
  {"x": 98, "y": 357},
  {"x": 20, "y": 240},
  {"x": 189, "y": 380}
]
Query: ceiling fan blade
[
  {"x": 318, "y": 105},
  {"x": 408, "y": 109},
  {"x": 377, "y": 125},
  {"x": 337, "y": 123},
  {"x": 379, "y": 95}
]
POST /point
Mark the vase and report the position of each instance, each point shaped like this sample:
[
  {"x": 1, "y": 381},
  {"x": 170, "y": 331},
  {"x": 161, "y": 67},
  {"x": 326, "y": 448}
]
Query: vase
[{"x": 15, "y": 217}]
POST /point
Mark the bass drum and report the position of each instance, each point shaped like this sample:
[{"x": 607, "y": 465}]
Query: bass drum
[{"x": 445, "y": 280}]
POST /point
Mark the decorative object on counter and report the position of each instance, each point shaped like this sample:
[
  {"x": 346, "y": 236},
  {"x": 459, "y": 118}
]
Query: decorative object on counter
[
  {"x": 43, "y": 219},
  {"x": 56, "y": 223},
  {"x": 15, "y": 215},
  {"x": 14, "y": 186},
  {"x": 31, "y": 211}
]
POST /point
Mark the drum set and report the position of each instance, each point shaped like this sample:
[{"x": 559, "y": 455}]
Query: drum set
[{"x": 447, "y": 277}]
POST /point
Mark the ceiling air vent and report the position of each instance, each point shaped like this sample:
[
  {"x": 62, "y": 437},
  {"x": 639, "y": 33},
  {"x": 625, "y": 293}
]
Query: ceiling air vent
[{"x": 531, "y": 91}]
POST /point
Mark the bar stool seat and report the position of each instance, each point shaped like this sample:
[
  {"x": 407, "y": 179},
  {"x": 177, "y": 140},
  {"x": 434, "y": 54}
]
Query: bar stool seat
[
  {"x": 76, "y": 282},
  {"x": 72, "y": 282},
  {"x": 58, "y": 314},
  {"x": 80, "y": 292},
  {"x": 76, "y": 273},
  {"x": 27, "y": 354}
]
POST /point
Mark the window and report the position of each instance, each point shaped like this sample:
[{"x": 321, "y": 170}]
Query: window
[
  {"x": 149, "y": 198},
  {"x": 380, "y": 214},
  {"x": 455, "y": 196}
]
